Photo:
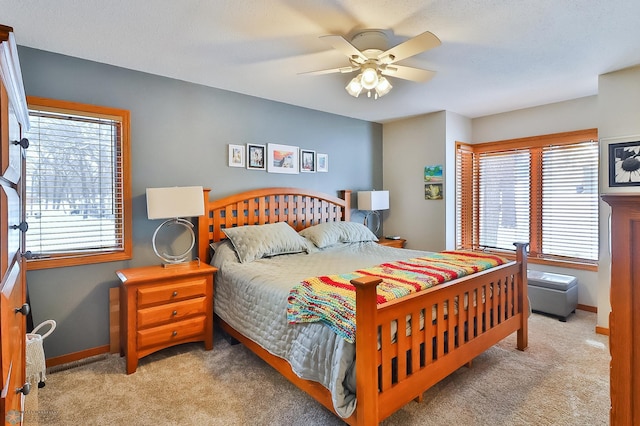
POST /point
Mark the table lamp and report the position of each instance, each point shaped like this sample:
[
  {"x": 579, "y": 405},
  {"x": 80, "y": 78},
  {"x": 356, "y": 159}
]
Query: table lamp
[
  {"x": 174, "y": 204},
  {"x": 373, "y": 202}
]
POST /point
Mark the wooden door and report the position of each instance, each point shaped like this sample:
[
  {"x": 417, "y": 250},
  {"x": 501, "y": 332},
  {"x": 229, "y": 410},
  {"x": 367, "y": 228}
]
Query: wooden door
[{"x": 13, "y": 307}]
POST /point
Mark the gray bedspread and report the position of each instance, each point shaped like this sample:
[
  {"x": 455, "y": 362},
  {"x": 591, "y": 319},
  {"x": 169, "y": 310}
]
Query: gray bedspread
[{"x": 252, "y": 298}]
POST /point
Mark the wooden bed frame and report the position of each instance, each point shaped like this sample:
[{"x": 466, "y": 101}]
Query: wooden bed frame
[{"x": 400, "y": 370}]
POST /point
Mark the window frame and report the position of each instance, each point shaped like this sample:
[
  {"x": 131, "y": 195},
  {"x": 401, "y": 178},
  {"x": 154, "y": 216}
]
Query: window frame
[
  {"x": 75, "y": 258},
  {"x": 467, "y": 208}
]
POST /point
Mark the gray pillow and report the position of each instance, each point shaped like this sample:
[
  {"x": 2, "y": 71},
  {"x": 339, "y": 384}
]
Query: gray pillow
[
  {"x": 223, "y": 252},
  {"x": 257, "y": 241},
  {"x": 329, "y": 233}
]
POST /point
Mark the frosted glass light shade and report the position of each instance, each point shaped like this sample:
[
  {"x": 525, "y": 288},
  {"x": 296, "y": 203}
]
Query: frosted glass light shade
[
  {"x": 354, "y": 87},
  {"x": 175, "y": 202},
  {"x": 383, "y": 87},
  {"x": 369, "y": 78},
  {"x": 373, "y": 200}
]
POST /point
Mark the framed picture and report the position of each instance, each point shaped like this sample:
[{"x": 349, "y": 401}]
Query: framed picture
[
  {"x": 322, "y": 162},
  {"x": 307, "y": 161},
  {"x": 433, "y": 173},
  {"x": 433, "y": 191},
  {"x": 256, "y": 156},
  {"x": 236, "y": 155},
  {"x": 624, "y": 164},
  {"x": 282, "y": 158}
]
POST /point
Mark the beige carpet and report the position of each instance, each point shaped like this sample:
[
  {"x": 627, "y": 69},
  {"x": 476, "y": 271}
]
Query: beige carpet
[{"x": 561, "y": 379}]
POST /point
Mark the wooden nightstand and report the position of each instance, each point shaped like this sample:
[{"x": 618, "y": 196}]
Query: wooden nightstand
[
  {"x": 162, "y": 307},
  {"x": 399, "y": 243}
]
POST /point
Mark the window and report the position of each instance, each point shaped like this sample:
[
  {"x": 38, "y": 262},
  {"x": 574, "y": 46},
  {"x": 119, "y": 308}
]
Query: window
[
  {"x": 77, "y": 184},
  {"x": 541, "y": 189}
]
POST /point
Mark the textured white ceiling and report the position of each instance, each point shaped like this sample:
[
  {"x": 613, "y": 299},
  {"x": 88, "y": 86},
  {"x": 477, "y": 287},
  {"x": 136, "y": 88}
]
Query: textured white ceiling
[{"x": 496, "y": 55}]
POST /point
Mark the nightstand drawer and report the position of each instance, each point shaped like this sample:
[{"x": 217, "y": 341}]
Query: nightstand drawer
[
  {"x": 169, "y": 334},
  {"x": 160, "y": 314},
  {"x": 177, "y": 290}
]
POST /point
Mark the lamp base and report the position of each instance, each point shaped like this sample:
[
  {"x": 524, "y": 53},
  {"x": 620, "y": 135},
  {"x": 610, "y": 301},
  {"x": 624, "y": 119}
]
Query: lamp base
[
  {"x": 376, "y": 214},
  {"x": 181, "y": 264},
  {"x": 179, "y": 259}
]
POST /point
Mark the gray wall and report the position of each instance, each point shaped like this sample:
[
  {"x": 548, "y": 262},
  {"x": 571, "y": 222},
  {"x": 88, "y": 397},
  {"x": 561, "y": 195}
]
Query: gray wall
[{"x": 179, "y": 136}]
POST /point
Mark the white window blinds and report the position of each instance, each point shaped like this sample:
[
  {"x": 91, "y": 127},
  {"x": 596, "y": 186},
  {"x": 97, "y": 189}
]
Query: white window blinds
[
  {"x": 541, "y": 189},
  {"x": 503, "y": 198},
  {"x": 74, "y": 184},
  {"x": 570, "y": 200}
]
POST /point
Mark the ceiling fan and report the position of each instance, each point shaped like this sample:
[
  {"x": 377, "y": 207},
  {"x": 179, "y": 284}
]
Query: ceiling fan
[{"x": 368, "y": 53}]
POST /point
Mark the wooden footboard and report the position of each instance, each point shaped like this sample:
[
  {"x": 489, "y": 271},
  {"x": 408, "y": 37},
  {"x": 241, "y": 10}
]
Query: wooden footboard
[{"x": 458, "y": 320}]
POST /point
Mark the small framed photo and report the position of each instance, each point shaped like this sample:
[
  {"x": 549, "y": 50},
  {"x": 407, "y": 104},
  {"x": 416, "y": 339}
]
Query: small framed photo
[
  {"x": 282, "y": 158},
  {"x": 433, "y": 174},
  {"x": 624, "y": 164},
  {"x": 433, "y": 191},
  {"x": 256, "y": 156},
  {"x": 236, "y": 155},
  {"x": 307, "y": 161},
  {"x": 322, "y": 162}
]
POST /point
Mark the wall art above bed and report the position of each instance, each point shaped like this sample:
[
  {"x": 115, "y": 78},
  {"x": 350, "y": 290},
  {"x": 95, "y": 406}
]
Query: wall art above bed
[
  {"x": 277, "y": 158},
  {"x": 282, "y": 158},
  {"x": 322, "y": 162},
  {"x": 236, "y": 155},
  {"x": 307, "y": 161},
  {"x": 256, "y": 156}
]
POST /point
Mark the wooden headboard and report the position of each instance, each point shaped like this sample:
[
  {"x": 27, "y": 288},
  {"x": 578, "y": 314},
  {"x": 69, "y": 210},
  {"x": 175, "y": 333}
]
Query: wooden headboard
[{"x": 300, "y": 208}]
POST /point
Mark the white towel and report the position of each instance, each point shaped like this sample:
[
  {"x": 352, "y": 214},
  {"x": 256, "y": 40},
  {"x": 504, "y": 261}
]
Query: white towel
[{"x": 36, "y": 365}]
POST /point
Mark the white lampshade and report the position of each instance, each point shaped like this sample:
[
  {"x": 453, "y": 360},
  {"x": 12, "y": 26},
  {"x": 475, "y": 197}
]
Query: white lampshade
[
  {"x": 175, "y": 202},
  {"x": 373, "y": 200}
]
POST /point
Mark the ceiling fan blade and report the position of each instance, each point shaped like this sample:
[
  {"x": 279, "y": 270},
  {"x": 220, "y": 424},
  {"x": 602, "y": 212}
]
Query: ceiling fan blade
[
  {"x": 413, "y": 46},
  {"x": 342, "y": 45},
  {"x": 408, "y": 73},
  {"x": 343, "y": 70}
]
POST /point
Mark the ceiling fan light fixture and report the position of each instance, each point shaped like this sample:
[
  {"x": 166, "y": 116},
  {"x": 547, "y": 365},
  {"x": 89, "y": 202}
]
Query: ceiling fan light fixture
[
  {"x": 369, "y": 78},
  {"x": 354, "y": 88},
  {"x": 383, "y": 87},
  {"x": 369, "y": 54}
]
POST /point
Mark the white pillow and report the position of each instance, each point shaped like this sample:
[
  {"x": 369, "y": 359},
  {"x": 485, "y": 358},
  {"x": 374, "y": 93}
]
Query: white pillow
[
  {"x": 254, "y": 242},
  {"x": 329, "y": 233}
]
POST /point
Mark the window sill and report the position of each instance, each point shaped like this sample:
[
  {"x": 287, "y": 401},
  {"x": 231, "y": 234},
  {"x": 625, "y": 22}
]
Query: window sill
[
  {"x": 80, "y": 259},
  {"x": 558, "y": 263},
  {"x": 564, "y": 264}
]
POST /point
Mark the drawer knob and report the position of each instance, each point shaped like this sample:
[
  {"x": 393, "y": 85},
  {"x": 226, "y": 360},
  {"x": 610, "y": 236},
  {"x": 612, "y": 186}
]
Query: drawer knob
[
  {"x": 25, "y": 389},
  {"x": 174, "y": 334},
  {"x": 24, "y": 310},
  {"x": 174, "y": 294},
  {"x": 174, "y": 313}
]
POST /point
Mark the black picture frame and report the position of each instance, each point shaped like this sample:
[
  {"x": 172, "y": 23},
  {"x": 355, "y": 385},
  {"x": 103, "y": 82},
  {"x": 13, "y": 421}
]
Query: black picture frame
[
  {"x": 256, "y": 156},
  {"x": 307, "y": 161},
  {"x": 624, "y": 164}
]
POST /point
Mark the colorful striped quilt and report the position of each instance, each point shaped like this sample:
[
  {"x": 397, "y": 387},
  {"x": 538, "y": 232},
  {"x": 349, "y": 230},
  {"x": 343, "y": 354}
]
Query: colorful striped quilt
[{"x": 331, "y": 299}]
